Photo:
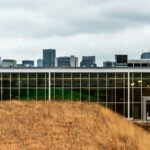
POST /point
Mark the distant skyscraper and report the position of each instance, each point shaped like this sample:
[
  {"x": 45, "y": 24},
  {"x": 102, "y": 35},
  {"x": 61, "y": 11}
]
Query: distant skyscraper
[
  {"x": 145, "y": 55},
  {"x": 66, "y": 61},
  {"x": 121, "y": 60},
  {"x": 28, "y": 63},
  {"x": 108, "y": 64},
  {"x": 73, "y": 61},
  {"x": 9, "y": 63},
  {"x": 49, "y": 58},
  {"x": 40, "y": 63},
  {"x": 88, "y": 61}
]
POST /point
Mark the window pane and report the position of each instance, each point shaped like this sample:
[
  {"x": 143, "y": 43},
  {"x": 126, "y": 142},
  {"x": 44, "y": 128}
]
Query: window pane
[
  {"x": 146, "y": 80},
  {"x": 76, "y": 80},
  {"x": 102, "y": 95},
  {"x": 102, "y": 80},
  {"x": 67, "y": 94},
  {"x": 119, "y": 95},
  {"x": 93, "y": 94},
  {"x": 6, "y": 80},
  {"x": 76, "y": 94},
  {"x": 85, "y": 94},
  {"x": 93, "y": 80},
  {"x": 120, "y": 108},
  {"x": 111, "y": 94},
  {"x": 111, "y": 80},
  {"x": 120, "y": 80}
]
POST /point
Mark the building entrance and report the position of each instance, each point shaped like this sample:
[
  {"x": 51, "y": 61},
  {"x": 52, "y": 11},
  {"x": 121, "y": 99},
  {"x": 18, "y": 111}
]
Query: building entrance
[{"x": 146, "y": 108}]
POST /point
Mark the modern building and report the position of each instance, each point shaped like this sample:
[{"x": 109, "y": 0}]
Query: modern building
[
  {"x": 49, "y": 58},
  {"x": 145, "y": 55},
  {"x": 28, "y": 63},
  {"x": 121, "y": 60},
  {"x": 9, "y": 63},
  {"x": 20, "y": 66},
  {"x": 40, "y": 63},
  {"x": 108, "y": 64},
  {"x": 88, "y": 62},
  {"x": 123, "y": 90},
  {"x": 73, "y": 61},
  {"x": 139, "y": 63},
  {"x": 67, "y": 61}
]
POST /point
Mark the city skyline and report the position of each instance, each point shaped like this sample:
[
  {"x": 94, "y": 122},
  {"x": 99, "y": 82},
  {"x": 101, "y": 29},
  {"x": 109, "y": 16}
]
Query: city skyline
[{"x": 97, "y": 27}]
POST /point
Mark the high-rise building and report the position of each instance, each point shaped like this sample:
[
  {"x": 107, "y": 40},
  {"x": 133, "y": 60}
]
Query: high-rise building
[
  {"x": 66, "y": 61},
  {"x": 73, "y": 61},
  {"x": 145, "y": 55},
  {"x": 28, "y": 63},
  {"x": 88, "y": 61},
  {"x": 108, "y": 64},
  {"x": 49, "y": 58},
  {"x": 9, "y": 63},
  {"x": 40, "y": 63},
  {"x": 121, "y": 60}
]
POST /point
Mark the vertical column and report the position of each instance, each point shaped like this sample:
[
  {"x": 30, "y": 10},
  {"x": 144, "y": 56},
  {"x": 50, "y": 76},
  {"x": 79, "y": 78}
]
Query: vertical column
[
  {"x": 124, "y": 95},
  {"x": 115, "y": 93},
  {"x": 45, "y": 86},
  {"x": 36, "y": 86},
  {"x": 62, "y": 86},
  {"x": 128, "y": 95},
  {"x": 54, "y": 87},
  {"x": 97, "y": 87},
  {"x": 10, "y": 87},
  {"x": 106, "y": 92},
  {"x": 89, "y": 87},
  {"x": 49, "y": 79},
  {"x": 1, "y": 88},
  {"x": 19, "y": 82},
  {"x": 71, "y": 89},
  {"x": 141, "y": 94},
  {"x": 27, "y": 86},
  {"x": 80, "y": 87}
]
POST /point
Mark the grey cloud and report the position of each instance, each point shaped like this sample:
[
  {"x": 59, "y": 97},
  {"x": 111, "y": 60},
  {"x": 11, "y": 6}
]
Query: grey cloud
[
  {"x": 135, "y": 11},
  {"x": 80, "y": 27},
  {"x": 50, "y": 18}
]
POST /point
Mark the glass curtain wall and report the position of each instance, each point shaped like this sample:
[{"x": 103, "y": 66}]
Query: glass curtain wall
[
  {"x": 108, "y": 89},
  {"x": 24, "y": 86},
  {"x": 135, "y": 95}
]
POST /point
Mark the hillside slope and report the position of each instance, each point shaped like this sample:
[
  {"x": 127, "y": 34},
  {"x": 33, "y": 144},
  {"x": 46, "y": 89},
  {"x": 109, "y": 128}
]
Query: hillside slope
[{"x": 67, "y": 126}]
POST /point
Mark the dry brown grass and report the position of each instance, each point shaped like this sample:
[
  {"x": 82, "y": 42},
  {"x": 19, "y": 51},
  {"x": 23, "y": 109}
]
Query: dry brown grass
[{"x": 67, "y": 126}]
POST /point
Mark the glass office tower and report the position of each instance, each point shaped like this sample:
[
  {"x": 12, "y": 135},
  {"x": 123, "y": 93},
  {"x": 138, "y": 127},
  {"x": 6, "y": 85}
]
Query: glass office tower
[{"x": 49, "y": 58}]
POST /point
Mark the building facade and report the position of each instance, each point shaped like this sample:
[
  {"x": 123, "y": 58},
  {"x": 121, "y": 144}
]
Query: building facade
[
  {"x": 40, "y": 63},
  {"x": 28, "y": 63},
  {"x": 145, "y": 55},
  {"x": 49, "y": 58},
  {"x": 67, "y": 61},
  {"x": 9, "y": 63},
  {"x": 108, "y": 64},
  {"x": 123, "y": 90},
  {"x": 139, "y": 63},
  {"x": 88, "y": 62}
]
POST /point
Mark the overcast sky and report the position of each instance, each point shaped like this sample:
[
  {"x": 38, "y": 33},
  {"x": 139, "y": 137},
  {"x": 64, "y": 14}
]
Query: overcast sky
[{"x": 81, "y": 27}]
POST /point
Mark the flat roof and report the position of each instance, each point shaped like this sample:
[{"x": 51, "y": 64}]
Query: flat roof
[{"x": 98, "y": 69}]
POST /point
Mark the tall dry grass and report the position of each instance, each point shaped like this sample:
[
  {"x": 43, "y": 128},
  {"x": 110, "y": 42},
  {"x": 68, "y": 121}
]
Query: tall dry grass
[{"x": 67, "y": 126}]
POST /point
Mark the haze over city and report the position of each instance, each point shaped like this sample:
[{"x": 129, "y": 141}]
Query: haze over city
[{"x": 74, "y": 27}]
